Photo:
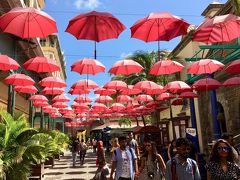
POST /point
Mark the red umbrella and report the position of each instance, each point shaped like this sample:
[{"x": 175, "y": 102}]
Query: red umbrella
[
  {"x": 177, "y": 87},
  {"x": 117, "y": 85},
  {"x": 177, "y": 102},
  {"x": 103, "y": 91},
  {"x": 188, "y": 95},
  {"x": 61, "y": 98},
  {"x": 165, "y": 96},
  {"x": 152, "y": 104},
  {"x": 233, "y": 67},
  {"x": 26, "y": 89},
  {"x": 104, "y": 99},
  {"x": 206, "y": 84},
  {"x": 158, "y": 90},
  {"x": 48, "y": 90},
  {"x": 52, "y": 82},
  {"x": 143, "y": 98},
  {"x": 130, "y": 90},
  {"x": 223, "y": 28},
  {"x": 30, "y": 23},
  {"x": 19, "y": 79},
  {"x": 38, "y": 98},
  {"x": 117, "y": 107},
  {"x": 124, "y": 98},
  {"x": 79, "y": 91},
  {"x": 205, "y": 66},
  {"x": 59, "y": 105},
  {"x": 88, "y": 66},
  {"x": 80, "y": 105},
  {"x": 41, "y": 64},
  {"x": 146, "y": 85},
  {"x": 234, "y": 81},
  {"x": 99, "y": 107},
  {"x": 7, "y": 63},
  {"x": 55, "y": 115},
  {"x": 166, "y": 67},
  {"x": 40, "y": 103},
  {"x": 125, "y": 67},
  {"x": 84, "y": 84},
  {"x": 82, "y": 99}
]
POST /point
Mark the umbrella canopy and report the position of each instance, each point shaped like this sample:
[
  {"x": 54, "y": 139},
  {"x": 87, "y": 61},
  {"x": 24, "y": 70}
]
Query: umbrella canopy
[
  {"x": 61, "y": 98},
  {"x": 124, "y": 98},
  {"x": 40, "y": 103},
  {"x": 205, "y": 66},
  {"x": 117, "y": 85},
  {"x": 96, "y": 26},
  {"x": 7, "y": 63},
  {"x": 188, "y": 95},
  {"x": 82, "y": 99},
  {"x": 143, "y": 98},
  {"x": 52, "y": 82},
  {"x": 223, "y": 28},
  {"x": 177, "y": 102},
  {"x": 30, "y": 23},
  {"x": 159, "y": 26},
  {"x": 158, "y": 90},
  {"x": 117, "y": 107},
  {"x": 99, "y": 107},
  {"x": 88, "y": 66},
  {"x": 166, "y": 67},
  {"x": 146, "y": 85},
  {"x": 19, "y": 79},
  {"x": 84, "y": 84},
  {"x": 206, "y": 84},
  {"x": 177, "y": 87},
  {"x": 26, "y": 89},
  {"x": 125, "y": 67},
  {"x": 165, "y": 96},
  {"x": 38, "y": 98},
  {"x": 41, "y": 64},
  {"x": 130, "y": 90},
  {"x": 59, "y": 105},
  {"x": 104, "y": 99},
  {"x": 234, "y": 81},
  {"x": 79, "y": 91},
  {"x": 103, "y": 91},
  {"x": 233, "y": 67},
  {"x": 80, "y": 105},
  {"x": 48, "y": 90}
]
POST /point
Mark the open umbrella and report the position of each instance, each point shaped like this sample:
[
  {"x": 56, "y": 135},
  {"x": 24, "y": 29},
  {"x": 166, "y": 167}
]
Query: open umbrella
[
  {"x": 123, "y": 98},
  {"x": 84, "y": 84},
  {"x": 223, "y": 28},
  {"x": 30, "y": 23},
  {"x": 177, "y": 87},
  {"x": 82, "y": 99},
  {"x": 7, "y": 63},
  {"x": 130, "y": 90},
  {"x": 206, "y": 84},
  {"x": 41, "y": 64},
  {"x": 26, "y": 89},
  {"x": 165, "y": 96},
  {"x": 61, "y": 98},
  {"x": 103, "y": 91},
  {"x": 146, "y": 85},
  {"x": 52, "y": 91},
  {"x": 96, "y": 26},
  {"x": 143, "y": 98},
  {"x": 117, "y": 107},
  {"x": 117, "y": 85},
  {"x": 104, "y": 99},
  {"x": 233, "y": 67},
  {"x": 234, "y": 81},
  {"x": 19, "y": 79},
  {"x": 38, "y": 98},
  {"x": 188, "y": 95},
  {"x": 52, "y": 82}
]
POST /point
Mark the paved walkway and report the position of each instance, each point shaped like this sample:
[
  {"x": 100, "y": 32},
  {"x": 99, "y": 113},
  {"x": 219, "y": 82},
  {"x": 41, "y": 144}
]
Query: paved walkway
[{"x": 63, "y": 169}]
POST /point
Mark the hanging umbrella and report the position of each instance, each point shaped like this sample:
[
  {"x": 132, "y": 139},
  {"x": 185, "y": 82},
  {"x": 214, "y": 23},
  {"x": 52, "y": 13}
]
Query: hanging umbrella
[
  {"x": 143, "y": 98},
  {"x": 205, "y": 66},
  {"x": 234, "y": 81},
  {"x": 80, "y": 105},
  {"x": 117, "y": 107},
  {"x": 223, "y": 28},
  {"x": 38, "y": 98},
  {"x": 55, "y": 115},
  {"x": 19, "y": 79},
  {"x": 96, "y": 26},
  {"x": 103, "y": 91},
  {"x": 188, "y": 95},
  {"x": 117, "y": 85},
  {"x": 146, "y": 85},
  {"x": 206, "y": 84},
  {"x": 26, "y": 89},
  {"x": 130, "y": 90},
  {"x": 41, "y": 64},
  {"x": 159, "y": 26},
  {"x": 104, "y": 99},
  {"x": 84, "y": 84},
  {"x": 177, "y": 87},
  {"x": 125, "y": 67},
  {"x": 233, "y": 67},
  {"x": 59, "y": 105},
  {"x": 88, "y": 66},
  {"x": 177, "y": 102},
  {"x": 166, "y": 67},
  {"x": 165, "y": 96},
  {"x": 52, "y": 82},
  {"x": 82, "y": 99},
  {"x": 27, "y": 23},
  {"x": 61, "y": 98},
  {"x": 52, "y": 91},
  {"x": 99, "y": 107},
  {"x": 152, "y": 104},
  {"x": 123, "y": 98},
  {"x": 158, "y": 90},
  {"x": 40, "y": 104},
  {"x": 79, "y": 91},
  {"x": 7, "y": 63}
]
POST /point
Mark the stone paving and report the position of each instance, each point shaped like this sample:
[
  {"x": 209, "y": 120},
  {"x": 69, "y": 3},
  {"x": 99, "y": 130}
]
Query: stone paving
[{"x": 64, "y": 170}]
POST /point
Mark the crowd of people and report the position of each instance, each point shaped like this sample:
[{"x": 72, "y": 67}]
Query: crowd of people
[{"x": 129, "y": 163}]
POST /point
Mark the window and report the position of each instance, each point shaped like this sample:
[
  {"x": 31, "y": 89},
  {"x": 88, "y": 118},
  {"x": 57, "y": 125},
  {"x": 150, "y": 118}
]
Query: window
[{"x": 43, "y": 42}]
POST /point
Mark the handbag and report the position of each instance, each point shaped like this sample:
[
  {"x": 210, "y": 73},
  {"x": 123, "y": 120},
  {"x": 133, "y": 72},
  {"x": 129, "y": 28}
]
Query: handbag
[{"x": 105, "y": 170}]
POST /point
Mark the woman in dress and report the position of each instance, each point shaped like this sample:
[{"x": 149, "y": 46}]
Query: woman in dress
[
  {"x": 152, "y": 164},
  {"x": 221, "y": 165}
]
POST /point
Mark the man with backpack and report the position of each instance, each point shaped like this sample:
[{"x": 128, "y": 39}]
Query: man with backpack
[
  {"x": 74, "y": 147},
  {"x": 181, "y": 167},
  {"x": 83, "y": 151},
  {"x": 124, "y": 160}
]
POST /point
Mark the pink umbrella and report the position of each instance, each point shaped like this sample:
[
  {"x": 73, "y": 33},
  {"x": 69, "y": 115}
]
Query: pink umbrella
[
  {"x": 130, "y": 90},
  {"x": 81, "y": 115},
  {"x": 80, "y": 105},
  {"x": 88, "y": 66},
  {"x": 152, "y": 104},
  {"x": 38, "y": 98},
  {"x": 59, "y": 105},
  {"x": 117, "y": 85},
  {"x": 52, "y": 82},
  {"x": 166, "y": 67},
  {"x": 104, "y": 99},
  {"x": 84, "y": 84},
  {"x": 165, "y": 96},
  {"x": 143, "y": 98},
  {"x": 41, "y": 64},
  {"x": 177, "y": 87},
  {"x": 26, "y": 89},
  {"x": 79, "y": 91},
  {"x": 188, "y": 95},
  {"x": 7, "y": 63},
  {"x": 48, "y": 90},
  {"x": 55, "y": 115},
  {"x": 124, "y": 98},
  {"x": 117, "y": 107},
  {"x": 158, "y": 90},
  {"x": 82, "y": 99},
  {"x": 233, "y": 67},
  {"x": 61, "y": 98},
  {"x": 125, "y": 67},
  {"x": 146, "y": 85},
  {"x": 40, "y": 103},
  {"x": 103, "y": 91},
  {"x": 177, "y": 102},
  {"x": 99, "y": 107},
  {"x": 206, "y": 84},
  {"x": 205, "y": 66},
  {"x": 19, "y": 79},
  {"x": 234, "y": 81}
]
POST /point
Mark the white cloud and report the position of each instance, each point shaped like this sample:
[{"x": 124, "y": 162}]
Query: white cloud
[
  {"x": 87, "y": 4},
  {"x": 124, "y": 55}
]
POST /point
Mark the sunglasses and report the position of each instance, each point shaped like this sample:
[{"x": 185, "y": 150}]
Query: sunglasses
[{"x": 223, "y": 149}]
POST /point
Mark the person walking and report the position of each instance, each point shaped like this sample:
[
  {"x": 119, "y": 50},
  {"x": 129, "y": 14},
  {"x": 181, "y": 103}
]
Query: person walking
[
  {"x": 94, "y": 144},
  {"x": 221, "y": 164},
  {"x": 181, "y": 167},
  {"x": 152, "y": 164},
  {"x": 124, "y": 160},
  {"x": 83, "y": 151},
  {"x": 132, "y": 143},
  {"x": 74, "y": 148},
  {"x": 172, "y": 150},
  {"x": 115, "y": 145}
]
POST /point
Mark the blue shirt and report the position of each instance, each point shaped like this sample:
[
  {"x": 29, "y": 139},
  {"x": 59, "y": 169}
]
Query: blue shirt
[
  {"x": 119, "y": 160},
  {"x": 183, "y": 172}
]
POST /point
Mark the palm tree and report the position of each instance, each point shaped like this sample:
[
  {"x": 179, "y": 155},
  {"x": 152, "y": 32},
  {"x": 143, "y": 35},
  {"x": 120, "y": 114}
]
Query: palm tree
[{"x": 236, "y": 6}]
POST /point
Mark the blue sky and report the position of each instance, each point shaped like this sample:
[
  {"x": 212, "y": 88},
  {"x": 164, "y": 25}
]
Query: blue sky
[{"x": 128, "y": 12}]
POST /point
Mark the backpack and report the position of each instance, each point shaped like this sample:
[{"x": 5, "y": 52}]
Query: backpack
[{"x": 174, "y": 171}]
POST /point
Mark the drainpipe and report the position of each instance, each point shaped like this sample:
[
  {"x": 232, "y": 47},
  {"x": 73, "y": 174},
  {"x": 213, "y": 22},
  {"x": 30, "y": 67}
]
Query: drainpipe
[
  {"x": 42, "y": 119},
  {"x": 31, "y": 113},
  {"x": 9, "y": 104}
]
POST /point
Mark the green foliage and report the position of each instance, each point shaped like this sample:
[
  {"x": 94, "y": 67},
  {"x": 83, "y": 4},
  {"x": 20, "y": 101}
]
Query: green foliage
[
  {"x": 124, "y": 121},
  {"x": 236, "y": 6}
]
